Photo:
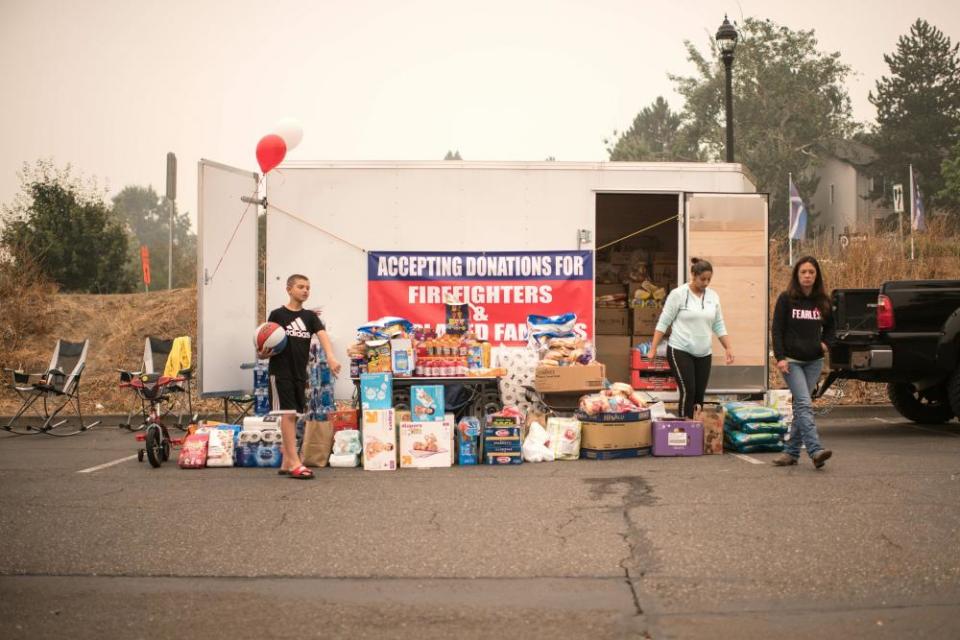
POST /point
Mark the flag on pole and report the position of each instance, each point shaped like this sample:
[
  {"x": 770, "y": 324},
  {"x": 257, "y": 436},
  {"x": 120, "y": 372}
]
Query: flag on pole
[
  {"x": 798, "y": 214},
  {"x": 917, "y": 221}
]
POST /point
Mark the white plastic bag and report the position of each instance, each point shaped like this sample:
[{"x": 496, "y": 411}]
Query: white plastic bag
[{"x": 535, "y": 447}]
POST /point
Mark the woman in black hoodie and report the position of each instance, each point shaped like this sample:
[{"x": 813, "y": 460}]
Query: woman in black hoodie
[{"x": 802, "y": 326}]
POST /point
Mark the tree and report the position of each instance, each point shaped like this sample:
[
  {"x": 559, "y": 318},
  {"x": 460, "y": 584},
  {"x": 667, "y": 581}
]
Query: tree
[
  {"x": 949, "y": 195},
  {"x": 69, "y": 230},
  {"x": 147, "y": 216},
  {"x": 790, "y": 104},
  {"x": 655, "y": 136},
  {"x": 453, "y": 155},
  {"x": 918, "y": 110}
]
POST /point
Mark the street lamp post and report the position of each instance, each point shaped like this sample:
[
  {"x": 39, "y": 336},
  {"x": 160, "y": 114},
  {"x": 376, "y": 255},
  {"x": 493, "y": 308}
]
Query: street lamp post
[{"x": 727, "y": 42}]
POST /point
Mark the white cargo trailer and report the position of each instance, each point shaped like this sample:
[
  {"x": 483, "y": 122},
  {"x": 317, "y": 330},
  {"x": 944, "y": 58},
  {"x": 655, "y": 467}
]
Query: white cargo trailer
[{"x": 323, "y": 217}]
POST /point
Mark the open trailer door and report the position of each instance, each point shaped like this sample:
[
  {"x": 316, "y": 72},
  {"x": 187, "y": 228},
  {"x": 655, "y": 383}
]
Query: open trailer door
[
  {"x": 226, "y": 278},
  {"x": 730, "y": 230}
]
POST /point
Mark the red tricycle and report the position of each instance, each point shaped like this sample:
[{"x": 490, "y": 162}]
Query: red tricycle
[{"x": 153, "y": 390}]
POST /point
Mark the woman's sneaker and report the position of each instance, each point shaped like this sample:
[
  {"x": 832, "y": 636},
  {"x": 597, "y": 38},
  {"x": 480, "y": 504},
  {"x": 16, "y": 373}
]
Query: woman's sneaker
[
  {"x": 784, "y": 460},
  {"x": 820, "y": 457}
]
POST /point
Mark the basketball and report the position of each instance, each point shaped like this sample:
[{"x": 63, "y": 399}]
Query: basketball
[{"x": 270, "y": 337}]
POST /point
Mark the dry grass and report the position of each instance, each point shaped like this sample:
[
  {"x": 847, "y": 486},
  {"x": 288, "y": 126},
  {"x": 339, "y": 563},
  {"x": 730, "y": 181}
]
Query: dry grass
[
  {"x": 116, "y": 326},
  {"x": 868, "y": 263}
]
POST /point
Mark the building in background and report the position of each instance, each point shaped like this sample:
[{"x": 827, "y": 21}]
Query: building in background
[{"x": 842, "y": 202}]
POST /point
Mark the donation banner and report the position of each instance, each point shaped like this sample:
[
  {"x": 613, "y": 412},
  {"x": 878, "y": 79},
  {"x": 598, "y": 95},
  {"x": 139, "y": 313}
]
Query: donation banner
[{"x": 501, "y": 289}]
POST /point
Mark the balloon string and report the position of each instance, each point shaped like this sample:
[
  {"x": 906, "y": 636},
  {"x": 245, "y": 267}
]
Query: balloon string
[
  {"x": 223, "y": 255},
  {"x": 310, "y": 224}
]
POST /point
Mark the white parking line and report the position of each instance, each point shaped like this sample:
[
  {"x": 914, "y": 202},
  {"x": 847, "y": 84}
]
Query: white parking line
[
  {"x": 749, "y": 459},
  {"x": 886, "y": 420},
  {"x": 107, "y": 464}
]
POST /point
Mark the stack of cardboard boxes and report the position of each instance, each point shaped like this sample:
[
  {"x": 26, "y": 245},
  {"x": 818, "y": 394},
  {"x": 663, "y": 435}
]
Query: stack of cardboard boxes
[{"x": 621, "y": 325}]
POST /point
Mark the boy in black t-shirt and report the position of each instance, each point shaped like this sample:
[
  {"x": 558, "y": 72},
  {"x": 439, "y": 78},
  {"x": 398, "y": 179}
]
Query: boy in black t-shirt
[{"x": 288, "y": 369}]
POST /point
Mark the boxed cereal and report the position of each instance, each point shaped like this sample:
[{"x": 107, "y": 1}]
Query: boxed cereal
[
  {"x": 379, "y": 440},
  {"x": 425, "y": 444}
]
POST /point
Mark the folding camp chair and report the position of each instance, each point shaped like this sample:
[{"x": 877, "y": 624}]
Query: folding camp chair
[
  {"x": 58, "y": 387},
  {"x": 156, "y": 351}
]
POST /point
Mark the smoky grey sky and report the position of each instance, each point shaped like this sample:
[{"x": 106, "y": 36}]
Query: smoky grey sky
[{"x": 111, "y": 85}]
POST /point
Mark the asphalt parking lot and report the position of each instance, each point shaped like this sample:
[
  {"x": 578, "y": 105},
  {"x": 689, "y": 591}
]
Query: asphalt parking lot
[{"x": 713, "y": 547}]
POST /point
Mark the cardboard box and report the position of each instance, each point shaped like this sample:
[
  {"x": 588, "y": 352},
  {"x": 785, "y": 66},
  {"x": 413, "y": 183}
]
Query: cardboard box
[
  {"x": 712, "y": 417},
  {"x": 614, "y": 352},
  {"x": 612, "y": 322},
  {"x": 588, "y": 377},
  {"x": 376, "y": 391},
  {"x": 664, "y": 274},
  {"x": 645, "y": 320},
  {"x": 427, "y": 402},
  {"x": 379, "y": 440},
  {"x": 614, "y": 454},
  {"x": 608, "y": 289},
  {"x": 677, "y": 438},
  {"x": 604, "y": 436},
  {"x": 425, "y": 445}
]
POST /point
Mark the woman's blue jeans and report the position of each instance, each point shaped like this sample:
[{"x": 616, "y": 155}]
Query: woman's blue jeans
[{"x": 802, "y": 379}]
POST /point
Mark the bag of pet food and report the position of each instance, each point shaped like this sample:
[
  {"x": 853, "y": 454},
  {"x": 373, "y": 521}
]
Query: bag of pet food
[
  {"x": 739, "y": 413},
  {"x": 753, "y": 442},
  {"x": 763, "y": 427},
  {"x": 564, "y": 437},
  {"x": 193, "y": 453}
]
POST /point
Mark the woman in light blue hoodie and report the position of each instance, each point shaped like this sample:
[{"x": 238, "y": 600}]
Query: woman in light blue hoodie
[{"x": 692, "y": 313}]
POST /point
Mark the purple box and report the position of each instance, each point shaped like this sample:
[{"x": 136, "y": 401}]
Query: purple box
[{"x": 677, "y": 438}]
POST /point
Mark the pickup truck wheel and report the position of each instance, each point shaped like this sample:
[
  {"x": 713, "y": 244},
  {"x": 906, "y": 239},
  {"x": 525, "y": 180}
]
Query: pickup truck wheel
[
  {"x": 926, "y": 407},
  {"x": 953, "y": 392}
]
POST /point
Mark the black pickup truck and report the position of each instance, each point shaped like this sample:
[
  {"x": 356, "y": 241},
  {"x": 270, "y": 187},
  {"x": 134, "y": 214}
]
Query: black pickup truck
[{"x": 906, "y": 334}]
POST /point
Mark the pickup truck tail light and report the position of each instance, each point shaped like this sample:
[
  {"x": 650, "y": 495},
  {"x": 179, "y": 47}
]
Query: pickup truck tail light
[{"x": 885, "y": 320}]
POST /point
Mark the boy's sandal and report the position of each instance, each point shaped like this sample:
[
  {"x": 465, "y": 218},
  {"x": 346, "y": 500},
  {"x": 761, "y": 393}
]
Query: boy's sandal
[{"x": 301, "y": 473}]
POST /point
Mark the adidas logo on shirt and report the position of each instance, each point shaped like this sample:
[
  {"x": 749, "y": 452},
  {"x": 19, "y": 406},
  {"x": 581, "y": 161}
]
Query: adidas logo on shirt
[{"x": 297, "y": 329}]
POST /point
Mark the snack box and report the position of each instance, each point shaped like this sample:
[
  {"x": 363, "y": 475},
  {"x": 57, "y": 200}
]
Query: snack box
[
  {"x": 376, "y": 391},
  {"x": 614, "y": 454},
  {"x": 379, "y": 440},
  {"x": 677, "y": 438},
  {"x": 427, "y": 402},
  {"x": 426, "y": 444},
  {"x": 468, "y": 441}
]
